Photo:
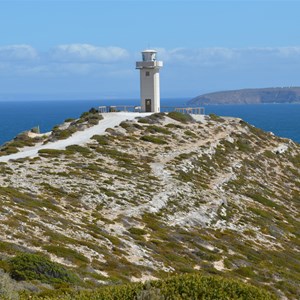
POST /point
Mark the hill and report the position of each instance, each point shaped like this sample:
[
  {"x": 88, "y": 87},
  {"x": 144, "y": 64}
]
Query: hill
[
  {"x": 250, "y": 96},
  {"x": 151, "y": 197}
]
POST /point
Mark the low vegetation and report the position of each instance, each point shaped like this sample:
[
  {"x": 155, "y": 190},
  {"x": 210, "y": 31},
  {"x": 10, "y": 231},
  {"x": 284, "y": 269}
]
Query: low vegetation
[
  {"x": 183, "y": 287},
  {"x": 180, "y": 117},
  {"x": 152, "y": 199},
  {"x": 59, "y": 132},
  {"x": 152, "y": 119},
  {"x": 87, "y": 119},
  {"x": 153, "y": 139},
  {"x": 20, "y": 141},
  {"x": 35, "y": 267}
]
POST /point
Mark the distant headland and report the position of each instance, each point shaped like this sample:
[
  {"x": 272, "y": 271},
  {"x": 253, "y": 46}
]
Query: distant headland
[{"x": 250, "y": 96}]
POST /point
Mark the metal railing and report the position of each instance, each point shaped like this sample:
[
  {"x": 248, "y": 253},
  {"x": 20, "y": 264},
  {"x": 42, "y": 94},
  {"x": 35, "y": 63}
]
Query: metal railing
[{"x": 164, "y": 109}]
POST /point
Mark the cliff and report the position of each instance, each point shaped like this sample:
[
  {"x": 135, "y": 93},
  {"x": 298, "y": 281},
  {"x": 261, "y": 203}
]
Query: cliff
[
  {"x": 160, "y": 195},
  {"x": 250, "y": 96}
]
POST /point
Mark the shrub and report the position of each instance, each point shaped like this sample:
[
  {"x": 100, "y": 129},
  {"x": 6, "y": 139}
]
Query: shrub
[
  {"x": 261, "y": 199},
  {"x": 93, "y": 110},
  {"x": 152, "y": 119},
  {"x": 78, "y": 149},
  {"x": 7, "y": 287},
  {"x": 8, "y": 150},
  {"x": 144, "y": 120},
  {"x": 150, "y": 293},
  {"x": 101, "y": 139},
  {"x": 190, "y": 133},
  {"x": 67, "y": 253},
  {"x": 180, "y": 117},
  {"x": 69, "y": 120},
  {"x": 36, "y": 267},
  {"x": 153, "y": 139},
  {"x": 125, "y": 124},
  {"x": 216, "y": 118},
  {"x": 244, "y": 145},
  {"x": 137, "y": 231},
  {"x": 92, "y": 117},
  {"x": 21, "y": 140},
  {"x": 181, "y": 287},
  {"x": 93, "y": 121},
  {"x": 35, "y": 129},
  {"x": 62, "y": 134},
  {"x": 157, "y": 129},
  {"x": 175, "y": 126},
  {"x": 50, "y": 152},
  {"x": 84, "y": 114}
]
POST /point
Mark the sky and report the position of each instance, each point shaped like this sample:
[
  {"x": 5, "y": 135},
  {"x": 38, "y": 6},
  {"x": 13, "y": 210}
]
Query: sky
[{"x": 83, "y": 49}]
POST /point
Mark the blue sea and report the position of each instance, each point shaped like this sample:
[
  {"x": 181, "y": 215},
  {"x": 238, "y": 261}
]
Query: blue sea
[{"x": 17, "y": 116}]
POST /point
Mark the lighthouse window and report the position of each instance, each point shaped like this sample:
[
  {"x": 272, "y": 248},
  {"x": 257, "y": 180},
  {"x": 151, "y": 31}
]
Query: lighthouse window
[{"x": 147, "y": 73}]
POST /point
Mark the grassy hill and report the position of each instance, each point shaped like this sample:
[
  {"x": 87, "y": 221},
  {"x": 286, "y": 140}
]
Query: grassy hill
[
  {"x": 250, "y": 96},
  {"x": 154, "y": 197}
]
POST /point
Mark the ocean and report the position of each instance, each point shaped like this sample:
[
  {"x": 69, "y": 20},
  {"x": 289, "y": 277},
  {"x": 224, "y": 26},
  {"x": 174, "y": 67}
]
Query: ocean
[{"x": 17, "y": 116}]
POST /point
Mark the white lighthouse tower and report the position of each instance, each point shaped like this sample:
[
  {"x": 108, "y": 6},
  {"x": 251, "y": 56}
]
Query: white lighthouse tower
[{"x": 149, "y": 81}]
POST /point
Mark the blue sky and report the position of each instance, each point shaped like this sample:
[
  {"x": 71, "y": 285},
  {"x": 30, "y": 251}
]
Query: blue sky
[{"x": 87, "y": 49}]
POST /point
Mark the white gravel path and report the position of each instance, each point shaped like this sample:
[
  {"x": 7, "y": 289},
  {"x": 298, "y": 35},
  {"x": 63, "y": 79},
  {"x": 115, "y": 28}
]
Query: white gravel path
[{"x": 110, "y": 120}]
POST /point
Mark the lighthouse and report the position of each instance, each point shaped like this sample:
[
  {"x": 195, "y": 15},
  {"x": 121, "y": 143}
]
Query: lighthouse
[{"x": 149, "y": 81}]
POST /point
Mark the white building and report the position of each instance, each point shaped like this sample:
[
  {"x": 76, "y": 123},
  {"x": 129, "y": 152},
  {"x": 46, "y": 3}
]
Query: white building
[{"x": 149, "y": 81}]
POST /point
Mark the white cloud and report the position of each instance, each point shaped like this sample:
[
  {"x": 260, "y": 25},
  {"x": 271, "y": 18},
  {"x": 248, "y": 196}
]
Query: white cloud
[
  {"x": 18, "y": 53},
  {"x": 94, "y": 61},
  {"x": 195, "y": 56},
  {"x": 88, "y": 53},
  {"x": 221, "y": 55},
  {"x": 289, "y": 51}
]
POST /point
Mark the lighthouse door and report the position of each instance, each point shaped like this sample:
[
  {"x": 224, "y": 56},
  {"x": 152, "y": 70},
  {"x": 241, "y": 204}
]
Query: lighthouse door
[{"x": 148, "y": 105}]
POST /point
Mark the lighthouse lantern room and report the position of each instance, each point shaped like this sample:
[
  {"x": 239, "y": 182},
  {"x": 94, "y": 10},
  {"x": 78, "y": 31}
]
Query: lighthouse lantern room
[{"x": 149, "y": 81}]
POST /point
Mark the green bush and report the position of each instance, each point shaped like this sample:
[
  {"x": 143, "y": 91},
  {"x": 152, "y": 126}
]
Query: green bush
[
  {"x": 216, "y": 118},
  {"x": 153, "y": 139},
  {"x": 152, "y": 119},
  {"x": 174, "y": 126},
  {"x": 144, "y": 120},
  {"x": 51, "y": 152},
  {"x": 180, "y": 287},
  {"x": 92, "y": 117},
  {"x": 67, "y": 253},
  {"x": 101, "y": 139},
  {"x": 78, "y": 149},
  {"x": 244, "y": 145},
  {"x": 69, "y": 120},
  {"x": 62, "y": 134},
  {"x": 157, "y": 129},
  {"x": 7, "y": 287},
  {"x": 84, "y": 115},
  {"x": 137, "y": 231},
  {"x": 180, "y": 117},
  {"x": 36, "y": 267},
  {"x": 35, "y": 130},
  {"x": 20, "y": 141},
  {"x": 190, "y": 133},
  {"x": 261, "y": 199},
  {"x": 8, "y": 150}
]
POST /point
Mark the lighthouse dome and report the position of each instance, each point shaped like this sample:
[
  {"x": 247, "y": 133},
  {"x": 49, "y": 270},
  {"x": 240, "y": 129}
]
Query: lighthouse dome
[{"x": 149, "y": 55}]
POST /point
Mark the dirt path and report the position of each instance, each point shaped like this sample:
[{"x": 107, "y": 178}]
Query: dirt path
[{"x": 109, "y": 121}]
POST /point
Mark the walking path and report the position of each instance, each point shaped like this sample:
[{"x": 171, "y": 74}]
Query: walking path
[{"x": 110, "y": 120}]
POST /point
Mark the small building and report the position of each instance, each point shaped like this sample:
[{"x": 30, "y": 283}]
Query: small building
[{"x": 149, "y": 81}]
